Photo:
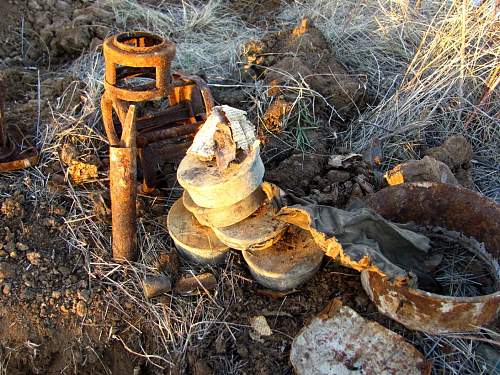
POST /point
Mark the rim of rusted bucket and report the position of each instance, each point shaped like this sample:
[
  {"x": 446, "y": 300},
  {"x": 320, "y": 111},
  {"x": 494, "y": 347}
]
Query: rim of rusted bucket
[{"x": 450, "y": 207}]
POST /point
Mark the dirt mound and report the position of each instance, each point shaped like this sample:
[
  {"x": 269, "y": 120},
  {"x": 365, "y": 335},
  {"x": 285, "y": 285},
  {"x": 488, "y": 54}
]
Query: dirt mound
[
  {"x": 301, "y": 57},
  {"x": 52, "y": 31}
]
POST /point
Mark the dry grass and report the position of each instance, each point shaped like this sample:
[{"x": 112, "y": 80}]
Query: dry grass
[
  {"x": 208, "y": 36},
  {"x": 428, "y": 69}
]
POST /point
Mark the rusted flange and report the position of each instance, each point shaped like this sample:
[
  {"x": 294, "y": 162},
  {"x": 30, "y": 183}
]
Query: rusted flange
[
  {"x": 13, "y": 158},
  {"x": 449, "y": 207},
  {"x": 138, "y": 54}
]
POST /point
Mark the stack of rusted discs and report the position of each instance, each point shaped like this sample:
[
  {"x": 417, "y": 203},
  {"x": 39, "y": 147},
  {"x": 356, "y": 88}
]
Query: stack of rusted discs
[{"x": 222, "y": 210}]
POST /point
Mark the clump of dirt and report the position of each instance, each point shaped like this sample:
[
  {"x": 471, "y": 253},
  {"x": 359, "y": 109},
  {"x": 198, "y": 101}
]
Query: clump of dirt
[
  {"x": 312, "y": 178},
  {"x": 53, "y": 31},
  {"x": 300, "y": 57},
  {"x": 456, "y": 153}
]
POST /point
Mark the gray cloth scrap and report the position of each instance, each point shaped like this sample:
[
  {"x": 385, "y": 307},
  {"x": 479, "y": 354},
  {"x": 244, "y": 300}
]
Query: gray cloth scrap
[{"x": 367, "y": 240}]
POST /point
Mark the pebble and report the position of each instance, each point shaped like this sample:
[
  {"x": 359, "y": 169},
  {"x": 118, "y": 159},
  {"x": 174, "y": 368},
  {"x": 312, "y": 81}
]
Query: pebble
[
  {"x": 56, "y": 294},
  {"x": 21, "y": 246},
  {"x": 156, "y": 285},
  {"x": 34, "y": 257},
  {"x": 7, "y": 289},
  {"x": 81, "y": 309}
]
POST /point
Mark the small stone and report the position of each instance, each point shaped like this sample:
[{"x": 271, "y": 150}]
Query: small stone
[
  {"x": 338, "y": 176},
  {"x": 21, "y": 246},
  {"x": 156, "y": 285},
  {"x": 260, "y": 326},
  {"x": 56, "y": 294},
  {"x": 7, "y": 289},
  {"x": 81, "y": 309},
  {"x": 34, "y": 257}
]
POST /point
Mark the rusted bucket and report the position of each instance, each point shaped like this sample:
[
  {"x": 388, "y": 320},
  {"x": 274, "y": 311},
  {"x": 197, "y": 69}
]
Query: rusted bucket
[{"x": 449, "y": 207}]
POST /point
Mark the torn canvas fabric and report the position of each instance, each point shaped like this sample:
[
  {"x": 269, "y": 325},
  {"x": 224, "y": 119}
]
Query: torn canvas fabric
[{"x": 362, "y": 239}]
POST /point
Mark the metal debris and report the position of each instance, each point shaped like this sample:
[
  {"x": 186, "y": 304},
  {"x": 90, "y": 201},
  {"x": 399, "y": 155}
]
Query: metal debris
[
  {"x": 196, "y": 284},
  {"x": 339, "y": 341},
  {"x": 137, "y": 75},
  {"x": 12, "y": 156},
  {"x": 156, "y": 285},
  {"x": 449, "y": 207}
]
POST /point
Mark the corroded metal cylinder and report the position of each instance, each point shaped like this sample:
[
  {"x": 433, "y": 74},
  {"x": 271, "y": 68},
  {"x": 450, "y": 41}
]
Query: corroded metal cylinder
[{"x": 122, "y": 177}]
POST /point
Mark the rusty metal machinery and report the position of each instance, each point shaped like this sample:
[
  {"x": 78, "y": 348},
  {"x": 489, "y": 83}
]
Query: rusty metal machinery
[
  {"x": 156, "y": 113},
  {"x": 13, "y": 157}
]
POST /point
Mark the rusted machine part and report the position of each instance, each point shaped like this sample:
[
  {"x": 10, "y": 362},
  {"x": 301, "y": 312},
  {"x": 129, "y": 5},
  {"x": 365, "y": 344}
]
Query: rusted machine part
[
  {"x": 190, "y": 103},
  {"x": 11, "y": 157},
  {"x": 132, "y": 58},
  {"x": 453, "y": 208},
  {"x": 137, "y": 54},
  {"x": 122, "y": 181}
]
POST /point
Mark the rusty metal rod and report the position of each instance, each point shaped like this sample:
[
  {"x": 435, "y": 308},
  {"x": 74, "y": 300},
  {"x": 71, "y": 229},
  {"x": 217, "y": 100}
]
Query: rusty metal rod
[
  {"x": 123, "y": 189},
  {"x": 163, "y": 134}
]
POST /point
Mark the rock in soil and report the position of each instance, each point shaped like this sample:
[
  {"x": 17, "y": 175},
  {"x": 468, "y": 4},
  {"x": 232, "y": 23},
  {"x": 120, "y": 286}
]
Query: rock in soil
[
  {"x": 456, "y": 151},
  {"x": 297, "y": 171},
  {"x": 427, "y": 169},
  {"x": 340, "y": 341},
  {"x": 196, "y": 284},
  {"x": 156, "y": 285}
]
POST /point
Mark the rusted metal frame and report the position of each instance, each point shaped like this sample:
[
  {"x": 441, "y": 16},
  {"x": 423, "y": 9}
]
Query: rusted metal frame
[
  {"x": 139, "y": 51},
  {"x": 130, "y": 56},
  {"x": 186, "y": 89}
]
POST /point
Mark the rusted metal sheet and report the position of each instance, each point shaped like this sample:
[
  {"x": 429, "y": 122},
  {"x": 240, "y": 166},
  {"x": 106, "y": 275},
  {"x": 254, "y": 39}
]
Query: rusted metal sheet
[
  {"x": 12, "y": 157},
  {"x": 138, "y": 72},
  {"x": 449, "y": 207},
  {"x": 339, "y": 341}
]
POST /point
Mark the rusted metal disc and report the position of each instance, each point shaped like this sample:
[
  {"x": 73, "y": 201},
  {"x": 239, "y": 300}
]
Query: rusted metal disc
[
  {"x": 453, "y": 208},
  {"x": 211, "y": 188},
  {"x": 225, "y": 216},
  {"x": 193, "y": 240},
  {"x": 288, "y": 263},
  {"x": 258, "y": 231}
]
